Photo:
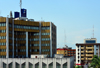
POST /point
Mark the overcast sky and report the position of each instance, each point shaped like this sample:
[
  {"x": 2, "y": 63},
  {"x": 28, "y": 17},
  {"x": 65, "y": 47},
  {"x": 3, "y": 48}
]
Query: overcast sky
[{"x": 73, "y": 18}]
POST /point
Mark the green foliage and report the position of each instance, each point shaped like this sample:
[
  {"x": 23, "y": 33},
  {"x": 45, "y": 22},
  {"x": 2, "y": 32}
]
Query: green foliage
[
  {"x": 95, "y": 62},
  {"x": 78, "y": 67}
]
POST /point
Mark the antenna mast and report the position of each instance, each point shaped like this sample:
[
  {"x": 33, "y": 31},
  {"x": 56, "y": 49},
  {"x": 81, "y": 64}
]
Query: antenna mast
[
  {"x": 93, "y": 31},
  {"x": 65, "y": 37}
]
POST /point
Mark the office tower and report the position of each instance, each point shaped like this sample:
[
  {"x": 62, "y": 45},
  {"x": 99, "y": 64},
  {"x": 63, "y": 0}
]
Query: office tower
[
  {"x": 86, "y": 51},
  {"x": 22, "y": 37}
]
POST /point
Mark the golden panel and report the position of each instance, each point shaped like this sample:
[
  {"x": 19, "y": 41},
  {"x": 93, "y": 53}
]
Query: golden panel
[
  {"x": 2, "y": 40},
  {"x": 28, "y": 30},
  {"x": 10, "y": 34},
  {"x": 2, "y": 27},
  {"x": 10, "y": 53},
  {"x": 10, "y": 41},
  {"x": 45, "y": 31},
  {"x": 2, "y": 47},
  {"x": 33, "y": 36},
  {"x": 21, "y": 47},
  {"x": 10, "y": 20},
  {"x": 45, "y": 23},
  {"x": 35, "y": 47},
  {"x": 45, "y": 47},
  {"x": 2, "y": 53},
  {"x": 10, "y": 28},
  {"x": 21, "y": 53},
  {"x": 34, "y": 52},
  {"x": 2, "y": 34},
  {"x": 10, "y": 47},
  {"x": 2, "y": 19},
  {"x": 35, "y": 42},
  {"x": 46, "y": 36},
  {"x": 21, "y": 42},
  {"x": 30, "y": 23}
]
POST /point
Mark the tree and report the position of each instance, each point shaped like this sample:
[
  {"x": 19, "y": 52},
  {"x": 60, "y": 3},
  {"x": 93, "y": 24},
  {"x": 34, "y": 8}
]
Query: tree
[{"x": 95, "y": 62}]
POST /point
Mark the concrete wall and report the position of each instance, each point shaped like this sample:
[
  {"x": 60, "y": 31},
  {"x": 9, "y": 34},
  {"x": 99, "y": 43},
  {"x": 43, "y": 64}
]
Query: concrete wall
[{"x": 47, "y": 61}]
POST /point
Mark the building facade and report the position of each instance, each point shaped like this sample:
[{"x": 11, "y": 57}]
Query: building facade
[
  {"x": 86, "y": 51},
  {"x": 21, "y": 37},
  {"x": 37, "y": 62},
  {"x": 66, "y": 51}
]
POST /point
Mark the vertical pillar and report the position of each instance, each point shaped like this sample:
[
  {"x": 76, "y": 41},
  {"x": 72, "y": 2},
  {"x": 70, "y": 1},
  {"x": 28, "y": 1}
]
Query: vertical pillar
[
  {"x": 54, "y": 62},
  {"x": 94, "y": 49},
  {"x": 13, "y": 66},
  {"x": 98, "y": 50},
  {"x": 39, "y": 37},
  {"x": 61, "y": 63},
  {"x": 50, "y": 39},
  {"x": 13, "y": 37},
  {"x": 26, "y": 44},
  {"x": 40, "y": 63},
  {"x": 27, "y": 63},
  {"x": 7, "y": 37}
]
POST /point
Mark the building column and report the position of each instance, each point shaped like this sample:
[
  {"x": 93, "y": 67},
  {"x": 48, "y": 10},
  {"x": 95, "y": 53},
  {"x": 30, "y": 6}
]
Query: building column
[
  {"x": 94, "y": 49},
  {"x": 39, "y": 37},
  {"x": 26, "y": 44},
  {"x": 7, "y": 37},
  {"x": 50, "y": 39},
  {"x": 13, "y": 37}
]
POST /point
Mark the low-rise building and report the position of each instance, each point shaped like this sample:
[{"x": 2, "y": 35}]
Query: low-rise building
[{"x": 56, "y": 62}]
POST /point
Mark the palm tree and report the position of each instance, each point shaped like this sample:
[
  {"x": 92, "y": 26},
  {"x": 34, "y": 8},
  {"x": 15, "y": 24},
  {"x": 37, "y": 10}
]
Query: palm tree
[{"x": 95, "y": 62}]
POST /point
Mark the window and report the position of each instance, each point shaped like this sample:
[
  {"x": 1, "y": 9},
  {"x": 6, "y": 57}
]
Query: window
[
  {"x": 45, "y": 28},
  {"x": 78, "y": 60}
]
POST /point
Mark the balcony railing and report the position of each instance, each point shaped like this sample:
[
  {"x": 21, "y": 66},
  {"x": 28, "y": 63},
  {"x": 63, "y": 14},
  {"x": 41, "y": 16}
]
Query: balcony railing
[
  {"x": 89, "y": 51},
  {"x": 89, "y": 54},
  {"x": 88, "y": 58},
  {"x": 89, "y": 47}
]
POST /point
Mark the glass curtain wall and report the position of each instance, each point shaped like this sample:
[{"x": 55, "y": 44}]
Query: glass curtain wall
[
  {"x": 57, "y": 65},
  {"x": 37, "y": 65},
  {"x": 51, "y": 65},
  {"x": 44, "y": 65},
  {"x": 10, "y": 65},
  {"x": 17, "y": 65},
  {"x": 65, "y": 65},
  {"x": 30, "y": 65},
  {"x": 23, "y": 65},
  {"x": 4, "y": 65}
]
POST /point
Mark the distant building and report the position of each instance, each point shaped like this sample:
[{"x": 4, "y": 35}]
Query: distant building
[
  {"x": 66, "y": 51},
  {"x": 22, "y": 37},
  {"x": 86, "y": 51},
  {"x": 57, "y": 62}
]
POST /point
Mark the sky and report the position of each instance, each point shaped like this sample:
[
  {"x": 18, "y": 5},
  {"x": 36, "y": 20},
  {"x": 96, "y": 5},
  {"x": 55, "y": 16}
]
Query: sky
[{"x": 74, "y": 19}]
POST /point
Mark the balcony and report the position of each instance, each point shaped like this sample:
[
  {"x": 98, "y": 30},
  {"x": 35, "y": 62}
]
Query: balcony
[
  {"x": 82, "y": 58},
  {"x": 89, "y": 51},
  {"x": 82, "y": 54},
  {"x": 82, "y": 51},
  {"x": 89, "y": 47},
  {"x": 89, "y": 54},
  {"x": 82, "y": 47},
  {"x": 88, "y": 58}
]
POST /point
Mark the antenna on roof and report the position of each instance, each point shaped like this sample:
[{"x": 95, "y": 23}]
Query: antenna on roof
[
  {"x": 93, "y": 31},
  {"x": 65, "y": 36}
]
